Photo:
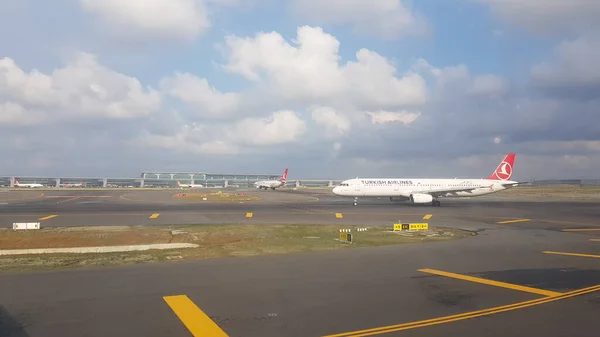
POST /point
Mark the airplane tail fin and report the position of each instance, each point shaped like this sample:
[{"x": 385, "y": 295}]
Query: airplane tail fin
[
  {"x": 284, "y": 176},
  {"x": 505, "y": 169}
]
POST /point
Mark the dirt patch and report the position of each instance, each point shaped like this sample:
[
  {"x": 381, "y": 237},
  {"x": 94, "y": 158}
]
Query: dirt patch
[
  {"x": 218, "y": 196},
  {"x": 85, "y": 237},
  {"x": 214, "y": 241}
]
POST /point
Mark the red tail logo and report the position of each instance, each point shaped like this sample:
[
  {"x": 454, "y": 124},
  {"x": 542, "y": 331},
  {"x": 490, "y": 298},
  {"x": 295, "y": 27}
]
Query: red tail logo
[
  {"x": 505, "y": 169},
  {"x": 284, "y": 176}
]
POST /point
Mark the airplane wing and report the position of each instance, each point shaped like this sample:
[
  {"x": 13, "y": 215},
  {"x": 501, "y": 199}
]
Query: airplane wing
[
  {"x": 516, "y": 183},
  {"x": 440, "y": 192}
]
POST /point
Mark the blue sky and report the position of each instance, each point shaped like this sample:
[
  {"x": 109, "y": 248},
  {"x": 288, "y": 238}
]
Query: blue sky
[{"x": 441, "y": 88}]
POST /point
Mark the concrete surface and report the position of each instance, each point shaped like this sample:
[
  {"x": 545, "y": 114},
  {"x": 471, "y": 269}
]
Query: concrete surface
[
  {"x": 325, "y": 293},
  {"x": 100, "y": 249}
]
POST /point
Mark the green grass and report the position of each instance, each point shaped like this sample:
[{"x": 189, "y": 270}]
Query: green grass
[{"x": 215, "y": 241}]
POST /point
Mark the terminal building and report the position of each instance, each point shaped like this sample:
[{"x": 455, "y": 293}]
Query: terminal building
[
  {"x": 163, "y": 179},
  {"x": 217, "y": 180}
]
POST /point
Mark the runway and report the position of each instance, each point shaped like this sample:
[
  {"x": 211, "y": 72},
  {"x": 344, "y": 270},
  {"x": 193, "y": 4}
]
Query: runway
[{"x": 510, "y": 279}]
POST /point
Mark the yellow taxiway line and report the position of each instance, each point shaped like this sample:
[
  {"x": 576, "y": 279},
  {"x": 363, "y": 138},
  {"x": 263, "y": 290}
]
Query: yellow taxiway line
[
  {"x": 48, "y": 217},
  {"x": 339, "y": 215},
  {"x": 491, "y": 282},
  {"x": 513, "y": 221},
  {"x": 427, "y": 216},
  {"x": 466, "y": 315},
  {"x": 155, "y": 215},
  {"x": 194, "y": 319},
  {"x": 249, "y": 215},
  {"x": 572, "y": 254}
]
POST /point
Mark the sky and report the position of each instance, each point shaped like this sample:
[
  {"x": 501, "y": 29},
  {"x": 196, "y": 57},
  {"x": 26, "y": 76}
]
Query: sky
[{"x": 330, "y": 89}]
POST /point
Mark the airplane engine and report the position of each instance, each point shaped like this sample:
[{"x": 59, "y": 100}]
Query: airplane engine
[{"x": 421, "y": 198}]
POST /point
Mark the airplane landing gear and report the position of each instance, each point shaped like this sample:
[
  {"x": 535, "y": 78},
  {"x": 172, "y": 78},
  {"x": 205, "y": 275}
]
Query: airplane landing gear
[
  {"x": 435, "y": 203},
  {"x": 355, "y": 201}
]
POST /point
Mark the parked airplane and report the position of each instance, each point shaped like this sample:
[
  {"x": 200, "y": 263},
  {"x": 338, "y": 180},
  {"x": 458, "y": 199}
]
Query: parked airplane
[
  {"x": 18, "y": 184},
  {"x": 272, "y": 184},
  {"x": 426, "y": 191},
  {"x": 71, "y": 185},
  {"x": 191, "y": 185}
]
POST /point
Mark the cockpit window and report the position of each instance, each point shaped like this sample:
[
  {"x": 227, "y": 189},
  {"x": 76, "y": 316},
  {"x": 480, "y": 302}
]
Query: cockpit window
[{"x": 344, "y": 184}]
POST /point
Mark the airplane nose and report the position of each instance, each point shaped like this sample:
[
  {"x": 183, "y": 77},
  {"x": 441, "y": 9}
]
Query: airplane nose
[{"x": 336, "y": 190}]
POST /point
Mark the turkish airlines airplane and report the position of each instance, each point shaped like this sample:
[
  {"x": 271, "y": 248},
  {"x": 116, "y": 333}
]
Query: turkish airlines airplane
[
  {"x": 17, "y": 184},
  {"x": 189, "y": 185},
  {"x": 427, "y": 191},
  {"x": 272, "y": 184}
]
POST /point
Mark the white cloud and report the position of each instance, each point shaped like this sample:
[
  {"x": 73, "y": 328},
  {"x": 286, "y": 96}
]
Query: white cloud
[
  {"x": 177, "y": 18},
  {"x": 575, "y": 63},
  {"x": 488, "y": 85},
  {"x": 206, "y": 100},
  {"x": 14, "y": 115},
  {"x": 459, "y": 80},
  {"x": 189, "y": 139},
  {"x": 404, "y": 117},
  {"x": 281, "y": 127},
  {"x": 335, "y": 123},
  {"x": 312, "y": 72},
  {"x": 385, "y": 18},
  {"x": 82, "y": 88},
  {"x": 245, "y": 135},
  {"x": 548, "y": 16}
]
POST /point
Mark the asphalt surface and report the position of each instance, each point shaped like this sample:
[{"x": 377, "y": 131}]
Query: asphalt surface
[{"x": 324, "y": 293}]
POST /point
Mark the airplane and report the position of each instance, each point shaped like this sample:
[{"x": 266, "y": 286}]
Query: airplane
[
  {"x": 191, "y": 185},
  {"x": 34, "y": 185},
  {"x": 72, "y": 185},
  {"x": 427, "y": 191},
  {"x": 272, "y": 184}
]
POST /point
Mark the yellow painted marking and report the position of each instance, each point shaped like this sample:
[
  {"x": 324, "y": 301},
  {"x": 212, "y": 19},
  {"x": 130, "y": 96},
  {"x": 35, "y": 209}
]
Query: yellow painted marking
[
  {"x": 466, "y": 315},
  {"x": 580, "y": 229},
  {"x": 490, "y": 282},
  {"x": 513, "y": 221},
  {"x": 427, "y": 216},
  {"x": 572, "y": 254},
  {"x": 154, "y": 216},
  {"x": 48, "y": 217},
  {"x": 249, "y": 214},
  {"x": 338, "y": 215},
  {"x": 194, "y": 319}
]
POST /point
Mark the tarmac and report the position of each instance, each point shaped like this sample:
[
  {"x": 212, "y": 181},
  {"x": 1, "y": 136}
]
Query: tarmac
[{"x": 515, "y": 277}]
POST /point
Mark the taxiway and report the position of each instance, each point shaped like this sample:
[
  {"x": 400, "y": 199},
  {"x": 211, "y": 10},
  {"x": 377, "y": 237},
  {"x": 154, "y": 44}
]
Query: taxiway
[{"x": 512, "y": 278}]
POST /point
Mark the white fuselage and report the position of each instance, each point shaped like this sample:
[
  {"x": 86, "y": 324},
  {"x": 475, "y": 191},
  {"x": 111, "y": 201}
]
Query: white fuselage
[
  {"x": 29, "y": 185},
  {"x": 380, "y": 187},
  {"x": 190, "y": 186},
  {"x": 269, "y": 184}
]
